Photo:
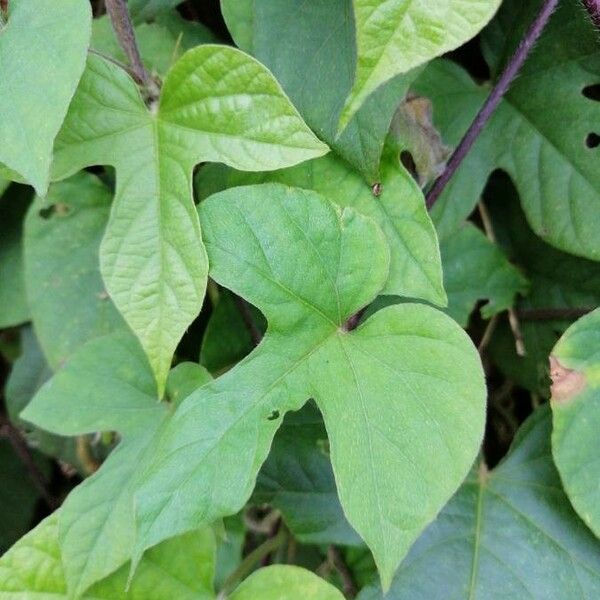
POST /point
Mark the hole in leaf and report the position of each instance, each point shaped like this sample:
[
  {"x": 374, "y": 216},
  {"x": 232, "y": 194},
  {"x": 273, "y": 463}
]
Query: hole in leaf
[
  {"x": 592, "y": 140},
  {"x": 273, "y": 416},
  {"x": 592, "y": 92},
  {"x": 59, "y": 209},
  {"x": 406, "y": 158}
]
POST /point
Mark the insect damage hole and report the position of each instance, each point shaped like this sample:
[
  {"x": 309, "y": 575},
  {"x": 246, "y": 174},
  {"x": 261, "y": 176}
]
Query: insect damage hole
[
  {"x": 273, "y": 416},
  {"x": 59, "y": 209},
  {"x": 592, "y": 140},
  {"x": 592, "y": 92}
]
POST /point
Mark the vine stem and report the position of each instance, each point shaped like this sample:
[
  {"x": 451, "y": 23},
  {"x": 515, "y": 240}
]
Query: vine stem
[
  {"x": 493, "y": 100},
  {"x": 254, "y": 558},
  {"x": 593, "y": 8},
  {"x": 21, "y": 449},
  {"x": 121, "y": 21}
]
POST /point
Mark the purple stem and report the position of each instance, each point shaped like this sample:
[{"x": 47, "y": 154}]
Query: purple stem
[
  {"x": 121, "y": 21},
  {"x": 593, "y": 8},
  {"x": 496, "y": 95}
]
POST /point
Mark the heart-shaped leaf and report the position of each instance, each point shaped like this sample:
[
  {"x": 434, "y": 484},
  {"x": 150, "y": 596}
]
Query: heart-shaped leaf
[
  {"x": 43, "y": 48},
  {"x": 402, "y": 397},
  {"x": 575, "y": 372},
  {"x": 217, "y": 104}
]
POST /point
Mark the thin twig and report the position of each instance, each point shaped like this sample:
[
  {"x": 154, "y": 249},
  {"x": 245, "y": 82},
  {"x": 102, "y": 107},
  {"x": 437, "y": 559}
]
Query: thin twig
[
  {"x": 552, "y": 314},
  {"x": 515, "y": 327},
  {"x": 487, "y": 334},
  {"x": 339, "y": 564},
  {"x": 121, "y": 21},
  {"x": 593, "y": 8},
  {"x": 512, "y": 313},
  {"x": 250, "y": 561},
  {"x": 248, "y": 319},
  {"x": 493, "y": 100},
  {"x": 19, "y": 445}
]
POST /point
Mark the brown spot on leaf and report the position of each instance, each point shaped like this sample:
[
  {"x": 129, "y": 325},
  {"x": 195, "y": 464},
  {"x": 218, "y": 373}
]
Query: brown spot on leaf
[{"x": 566, "y": 383}]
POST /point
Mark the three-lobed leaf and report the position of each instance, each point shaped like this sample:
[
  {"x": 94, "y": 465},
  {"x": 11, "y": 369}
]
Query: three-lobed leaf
[
  {"x": 217, "y": 104},
  {"x": 43, "y": 48},
  {"x": 402, "y": 397}
]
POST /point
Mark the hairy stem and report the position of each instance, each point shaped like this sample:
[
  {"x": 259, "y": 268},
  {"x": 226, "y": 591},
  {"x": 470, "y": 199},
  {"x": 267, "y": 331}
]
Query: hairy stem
[
  {"x": 593, "y": 8},
  {"x": 487, "y": 110},
  {"x": 121, "y": 21}
]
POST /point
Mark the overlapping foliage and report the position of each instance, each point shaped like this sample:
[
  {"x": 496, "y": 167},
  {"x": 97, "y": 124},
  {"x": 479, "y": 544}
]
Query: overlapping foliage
[{"x": 233, "y": 334}]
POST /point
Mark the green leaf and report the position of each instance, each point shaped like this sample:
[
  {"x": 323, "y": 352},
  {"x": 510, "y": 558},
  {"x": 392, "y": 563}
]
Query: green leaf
[
  {"x": 43, "y": 49},
  {"x": 115, "y": 391},
  {"x": 29, "y": 372},
  {"x": 476, "y": 269},
  {"x": 67, "y": 299},
  {"x": 180, "y": 568},
  {"x": 309, "y": 46},
  {"x": 554, "y": 170},
  {"x": 395, "y": 36},
  {"x": 402, "y": 397},
  {"x": 575, "y": 371},
  {"x": 217, "y": 104},
  {"x": 415, "y": 266},
  {"x": 13, "y": 300},
  {"x": 558, "y": 281},
  {"x": 297, "y": 479},
  {"x": 285, "y": 582},
  {"x": 508, "y": 533}
]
